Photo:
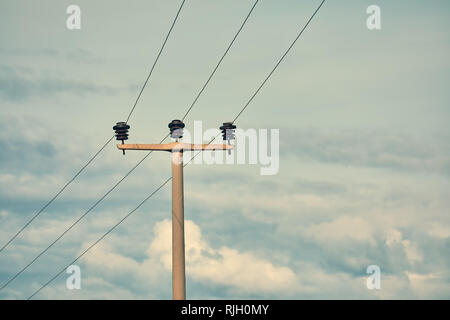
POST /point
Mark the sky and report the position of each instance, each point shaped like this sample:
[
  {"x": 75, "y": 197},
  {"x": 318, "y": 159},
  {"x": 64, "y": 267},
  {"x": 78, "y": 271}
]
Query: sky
[{"x": 364, "y": 172}]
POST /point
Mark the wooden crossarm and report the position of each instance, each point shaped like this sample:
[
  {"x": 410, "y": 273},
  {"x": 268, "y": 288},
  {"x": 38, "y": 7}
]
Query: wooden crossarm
[{"x": 175, "y": 146}]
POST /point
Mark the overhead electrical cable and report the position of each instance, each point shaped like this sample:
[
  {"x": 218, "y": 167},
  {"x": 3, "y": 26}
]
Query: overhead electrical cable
[
  {"x": 167, "y": 180},
  {"x": 104, "y": 145},
  {"x": 133, "y": 168}
]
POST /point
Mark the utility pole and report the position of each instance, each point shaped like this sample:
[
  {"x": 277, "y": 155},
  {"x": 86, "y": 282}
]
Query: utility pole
[{"x": 177, "y": 149}]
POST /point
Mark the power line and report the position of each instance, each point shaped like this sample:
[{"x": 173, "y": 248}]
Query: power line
[
  {"x": 56, "y": 195},
  {"x": 111, "y": 229},
  {"x": 101, "y": 238},
  {"x": 220, "y": 60},
  {"x": 166, "y": 181},
  {"x": 107, "y": 142},
  {"x": 156, "y": 60},
  {"x": 77, "y": 221},
  {"x": 279, "y": 61},
  {"x": 134, "y": 167}
]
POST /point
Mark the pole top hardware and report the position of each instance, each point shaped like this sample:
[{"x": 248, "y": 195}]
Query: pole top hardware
[
  {"x": 228, "y": 132},
  {"x": 176, "y": 129},
  {"x": 121, "y": 129}
]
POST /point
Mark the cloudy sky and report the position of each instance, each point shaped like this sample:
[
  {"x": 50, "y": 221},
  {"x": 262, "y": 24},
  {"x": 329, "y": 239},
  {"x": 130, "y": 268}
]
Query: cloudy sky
[{"x": 364, "y": 175}]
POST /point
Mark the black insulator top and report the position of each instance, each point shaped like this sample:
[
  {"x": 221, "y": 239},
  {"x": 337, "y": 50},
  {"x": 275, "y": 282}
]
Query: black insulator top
[
  {"x": 176, "y": 129},
  {"x": 121, "y": 129},
  {"x": 228, "y": 131}
]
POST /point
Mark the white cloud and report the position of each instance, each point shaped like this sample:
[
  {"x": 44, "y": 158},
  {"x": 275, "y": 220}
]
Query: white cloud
[
  {"x": 412, "y": 252},
  {"x": 342, "y": 228},
  {"x": 225, "y": 266},
  {"x": 383, "y": 153},
  {"x": 4, "y": 213},
  {"x": 439, "y": 230}
]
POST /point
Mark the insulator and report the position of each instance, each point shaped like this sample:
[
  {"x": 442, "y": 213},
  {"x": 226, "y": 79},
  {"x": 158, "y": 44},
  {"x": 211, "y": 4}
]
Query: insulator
[
  {"x": 176, "y": 129},
  {"x": 228, "y": 131},
  {"x": 121, "y": 129}
]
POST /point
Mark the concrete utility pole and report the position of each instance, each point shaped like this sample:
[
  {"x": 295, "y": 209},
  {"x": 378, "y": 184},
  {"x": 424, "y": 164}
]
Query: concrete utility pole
[{"x": 176, "y": 148}]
